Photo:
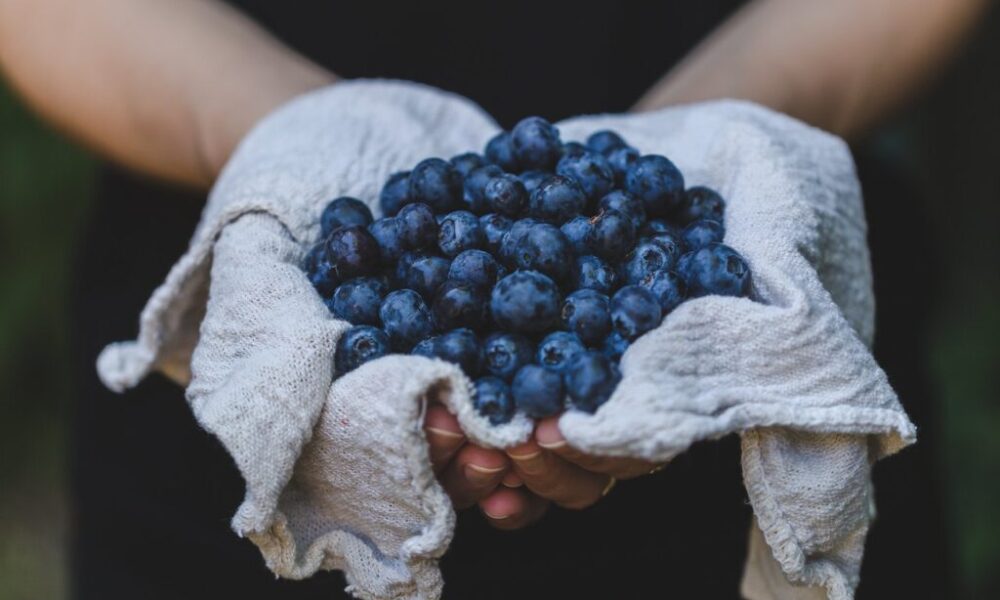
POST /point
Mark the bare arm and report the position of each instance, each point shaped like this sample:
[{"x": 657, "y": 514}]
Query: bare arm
[
  {"x": 167, "y": 87},
  {"x": 840, "y": 65}
]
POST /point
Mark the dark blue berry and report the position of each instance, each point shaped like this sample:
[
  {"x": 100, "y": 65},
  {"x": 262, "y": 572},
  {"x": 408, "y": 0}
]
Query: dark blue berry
[
  {"x": 474, "y": 267},
  {"x": 587, "y": 313},
  {"x": 426, "y": 347},
  {"x": 590, "y": 381},
  {"x": 591, "y": 171},
  {"x": 321, "y": 273},
  {"x": 557, "y": 199},
  {"x": 505, "y": 194},
  {"x": 505, "y": 353},
  {"x": 494, "y": 400},
  {"x": 403, "y": 265},
  {"x": 654, "y": 226},
  {"x": 718, "y": 270},
  {"x": 511, "y": 241},
  {"x": 394, "y": 193},
  {"x": 405, "y": 319},
  {"x": 474, "y": 190},
  {"x": 466, "y": 162},
  {"x": 417, "y": 226},
  {"x": 386, "y": 234},
  {"x": 343, "y": 212},
  {"x": 580, "y": 233},
  {"x": 494, "y": 227},
  {"x": 357, "y": 300},
  {"x": 545, "y": 249},
  {"x": 525, "y": 301},
  {"x": 533, "y": 179},
  {"x": 460, "y": 231},
  {"x": 621, "y": 160},
  {"x": 359, "y": 345},
  {"x": 352, "y": 251},
  {"x": 670, "y": 242},
  {"x": 460, "y": 346},
  {"x": 426, "y": 274},
  {"x": 668, "y": 287},
  {"x": 702, "y": 233},
  {"x": 538, "y": 392},
  {"x": 625, "y": 203},
  {"x": 500, "y": 152},
  {"x": 645, "y": 259},
  {"x": 614, "y": 346},
  {"x": 634, "y": 311},
  {"x": 435, "y": 183},
  {"x": 604, "y": 141},
  {"x": 573, "y": 149},
  {"x": 458, "y": 304},
  {"x": 558, "y": 349},
  {"x": 614, "y": 234},
  {"x": 701, "y": 202},
  {"x": 592, "y": 273},
  {"x": 536, "y": 143},
  {"x": 657, "y": 182}
]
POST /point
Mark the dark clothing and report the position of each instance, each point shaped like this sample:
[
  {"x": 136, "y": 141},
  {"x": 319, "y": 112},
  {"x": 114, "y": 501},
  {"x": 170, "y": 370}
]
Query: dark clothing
[{"x": 154, "y": 493}]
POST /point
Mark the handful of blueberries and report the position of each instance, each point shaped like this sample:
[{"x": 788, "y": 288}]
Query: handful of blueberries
[{"x": 532, "y": 266}]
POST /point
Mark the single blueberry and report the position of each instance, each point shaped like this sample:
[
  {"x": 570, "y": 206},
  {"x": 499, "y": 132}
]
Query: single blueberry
[
  {"x": 657, "y": 182},
  {"x": 426, "y": 274},
  {"x": 352, "y": 251},
  {"x": 511, "y": 241},
  {"x": 702, "y": 233},
  {"x": 580, "y": 233},
  {"x": 558, "y": 199},
  {"x": 386, "y": 234},
  {"x": 614, "y": 234},
  {"x": 358, "y": 345},
  {"x": 474, "y": 190},
  {"x": 718, "y": 270},
  {"x": 645, "y": 259},
  {"x": 500, "y": 152},
  {"x": 494, "y": 227},
  {"x": 466, "y": 162},
  {"x": 357, "y": 300},
  {"x": 604, "y": 141},
  {"x": 591, "y": 171},
  {"x": 670, "y": 242},
  {"x": 545, "y": 249},
  {"x": 506, "y": 195},
  {"x": 592, "y": 273},
  {"x": 525, "y": 301},
  {"x": 590, "y": 381},
  {"x": 427, "y": 347},
  {"x": 621, "y": 160},
  {"x": 535, "y": 143},
  {"x": 460, "y": 231},
  {"x": 625, "y": 203},
  {"x": 461, "y": 346},
  {"x": 615, "y": 346},
  {"x": 701, "y": 202},
  {"x": 494, "y": 400},
  {"x": 458, "y": 304},
  {"x": 558, "y": 349},
  {"x": 417, "y": 226},
  {"x": 320, "y": 272},
  {"x": 634, "y": 311},
  {"x": 405, "y": 319},
  {"x": 403, "y": 265},
  {"x": 668, "y": 287},
  {"x": 394, "y": 193},
  {"x": 587, "y": 313},
  {"x": 435, "y": 183},
  {"x": 538, "y": 392},
  {"x": 505, "y": 353},
  {"x": 533, "y": 179},
  {"x": 573, "y": 149},
  {"x": 342, "y": 212},
  {"x": 474, "y": 267}
]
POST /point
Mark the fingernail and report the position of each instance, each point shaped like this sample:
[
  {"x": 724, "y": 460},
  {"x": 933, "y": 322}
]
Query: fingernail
[
  {"x": 512, "y": 480},
  {"x": 526, "y": 457},
  {"x": 496, "y": 517},
  {"x": 445, "y": 433},
  {"x": 548, "y": 436},
  {"x": 552, "y": 445},
  {"x": 481, "y": 475}
]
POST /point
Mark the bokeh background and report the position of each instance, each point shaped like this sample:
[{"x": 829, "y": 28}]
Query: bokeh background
[{"x": 944, "y": 150}]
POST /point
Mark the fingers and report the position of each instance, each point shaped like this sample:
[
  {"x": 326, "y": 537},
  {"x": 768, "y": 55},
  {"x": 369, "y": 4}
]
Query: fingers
[
  {"x": 473, "y": 474},
  {"x": 444, "y": 436},
  {"x": 512, "y": 509},
  {"x": 556, "y": 479},
  {"x": 548, "y": 436}
]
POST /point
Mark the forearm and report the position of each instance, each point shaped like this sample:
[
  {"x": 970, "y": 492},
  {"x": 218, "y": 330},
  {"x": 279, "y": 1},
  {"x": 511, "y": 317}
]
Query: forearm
[
  {"x": 838, "y": 65},
  {"x": 167, "y": 87}
]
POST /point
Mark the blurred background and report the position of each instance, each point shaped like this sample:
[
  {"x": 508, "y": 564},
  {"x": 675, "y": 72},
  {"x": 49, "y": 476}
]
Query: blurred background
[{"x": 942, "y": 153}]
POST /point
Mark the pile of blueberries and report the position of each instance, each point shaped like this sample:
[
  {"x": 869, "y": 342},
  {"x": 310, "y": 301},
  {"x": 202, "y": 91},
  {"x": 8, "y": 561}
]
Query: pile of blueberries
[{"x": 532, "y": 266}]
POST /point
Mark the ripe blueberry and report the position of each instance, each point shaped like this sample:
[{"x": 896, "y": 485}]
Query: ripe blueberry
[
  {"x": 505, "y": 353},
  {"x": 525, "y": 301},
  {"x": 634, "y": 311},
  {"x": 538, "y": 392},
  {"x": 460, "y": 231},
  {"x": 558, "y": 349},
  {"x": 358, "y": 345},
  {"x": 405, "y": 319},
  {"x": 342, "y": 212},
  {"x": 435, "y": 183},
  {"x": 587, "y": 313},
  {"x": 657, "y": 182},
  {"x": 494, "y": 400}
]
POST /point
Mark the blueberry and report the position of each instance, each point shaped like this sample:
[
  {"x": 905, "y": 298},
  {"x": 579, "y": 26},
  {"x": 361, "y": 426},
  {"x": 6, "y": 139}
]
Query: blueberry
[
  {"x": 615, "y": 346},
  {"x": 386, "y": 234},
  {"x": 474, "y": 267},
  {"x": 621, "y": 160},
  {"x": 500, "y": 152},
  {"x": 533, "y": 179},
  {"x": 525, "y": 301},
  {"x": 395, "y": 193},
  {"x": 591, "y": 171},
  {"x": 320, "y": 272},
  {"x": 460, "y": 231},
  {"x": 579, "y": 231},
  {"x": 634, "y": 311},
  {"x": 670, "y": 242},
  {"x": 494, "y": 227},
  {"x": 494, "y": 400},
  {"x": 358, "y": 345},
  {"x": 614, "y": 234},
  {"x": 717, "y": 269},
  {"x": 352, "y": 251},
  {"x": 465, "y": 163},
  {"x": 657, "y": 182},
  {"x": 426, "y": 347},
  {"x": 668, "y": 287},
  {"x": 458, "y": 304},
  {"x": 645, "y": 259},
  {"x": 461, "y": 346},
  {"x": 436, "y": 183},
  {"x": 357, "y": 300},
  {"x": 417, "y": 226},
  {"x": 511, "y": 241},
  {"x": 474, "y": 188},
  {"x": 558, "y": 199},
  {"x": 545, "y": 249},
  {"x": 592, "y": 273},
  {"x": 702, "y": 233},
  {"x": 590, "y": 381},
  {"x": 506, "y": 195},
  {"x": 573, "y": 149},
  {"x": 538, "y": 392},
  {"x": 587, "y": 313},
  {"x": 535, "y": 143},
  {"x": 343, "y": 212},
  {"x": 604, "y": 141},
  {"x": 625, "y": 203},
  {"x": 403, "y": 265},
  {"x": 558, "y": 349},
  {"x": 654, "y": 226},
  {"x": 426, "y": 274},
  {"x": 405, "y": 319},
  {"x": 701, "y": 202},
  {"x": 505, "y": 353}
]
